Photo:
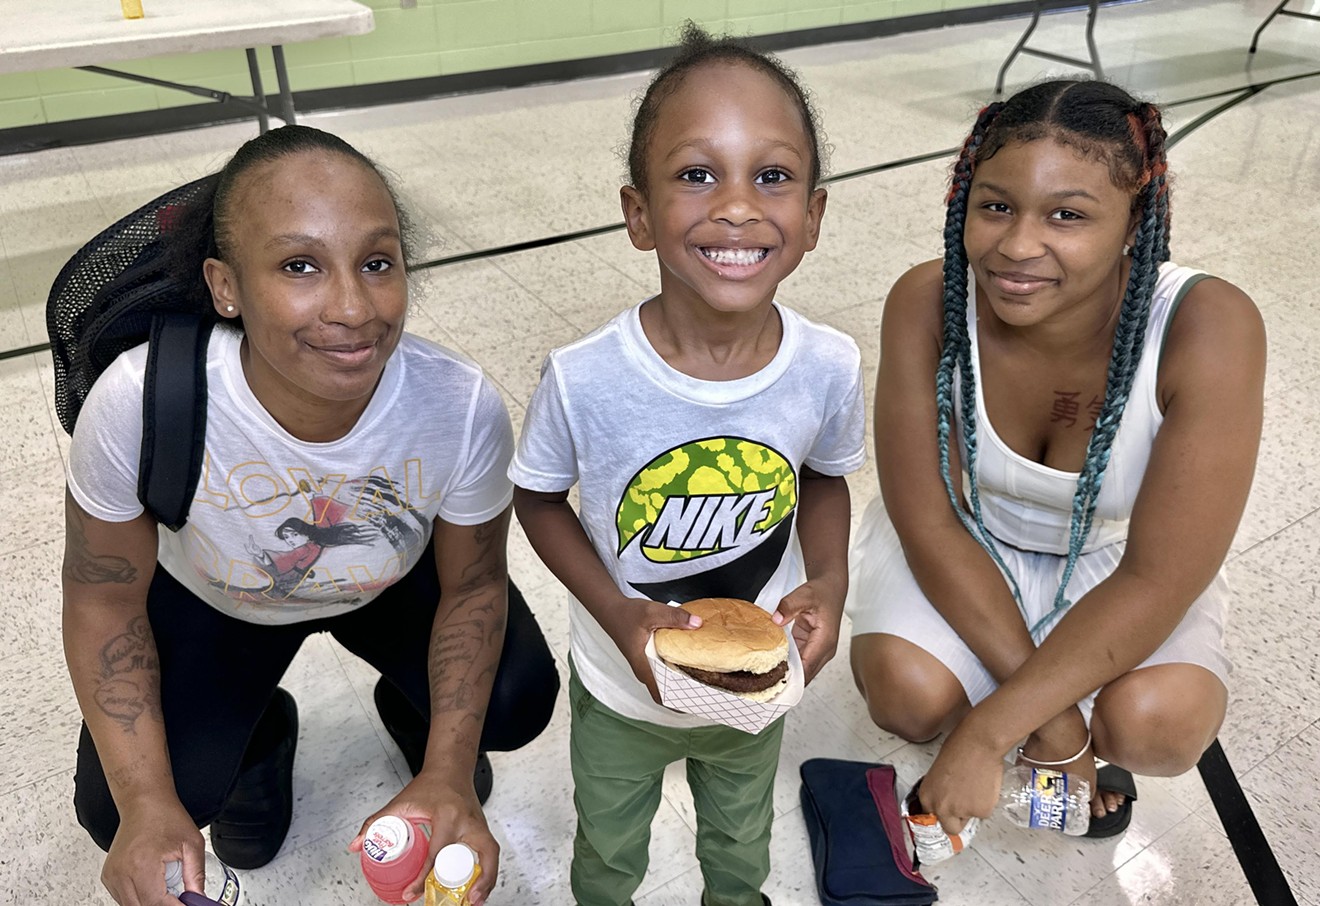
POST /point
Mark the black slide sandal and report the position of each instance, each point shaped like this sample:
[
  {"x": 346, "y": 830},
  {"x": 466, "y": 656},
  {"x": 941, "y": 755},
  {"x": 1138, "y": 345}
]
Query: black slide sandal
[{"x": 1112, "y": 779}]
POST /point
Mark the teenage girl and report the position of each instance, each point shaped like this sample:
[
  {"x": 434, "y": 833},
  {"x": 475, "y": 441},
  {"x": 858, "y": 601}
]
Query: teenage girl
[
  {"x": 1080, "y": 388},
  {"x": 675, "y": 411}
]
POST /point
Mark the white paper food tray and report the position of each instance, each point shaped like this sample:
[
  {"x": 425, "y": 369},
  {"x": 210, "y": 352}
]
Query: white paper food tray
[{"x": 682, "y": 693}]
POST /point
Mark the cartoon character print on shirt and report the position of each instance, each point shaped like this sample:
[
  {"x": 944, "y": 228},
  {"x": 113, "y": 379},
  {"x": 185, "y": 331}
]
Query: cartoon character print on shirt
[
  {"x": 709, "y": 518},
  {"x": 351, "y": 536},
  {"x": 306, "y": 540}
]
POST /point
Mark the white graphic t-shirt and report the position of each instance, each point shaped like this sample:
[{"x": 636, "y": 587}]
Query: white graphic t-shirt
[
  {"x": 282, "y": 530},
  {"x": 688, "y": 487}
]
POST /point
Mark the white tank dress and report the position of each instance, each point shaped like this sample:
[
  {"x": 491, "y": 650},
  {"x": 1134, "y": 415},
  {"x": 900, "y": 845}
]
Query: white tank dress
[{"x": 1027, "y": 507}]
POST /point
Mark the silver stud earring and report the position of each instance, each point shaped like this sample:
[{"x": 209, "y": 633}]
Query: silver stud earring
[{"x": 230, "y": 308}]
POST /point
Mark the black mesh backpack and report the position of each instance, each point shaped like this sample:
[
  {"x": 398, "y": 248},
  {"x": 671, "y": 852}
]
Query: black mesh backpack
[{"x": 121, "y": 290}]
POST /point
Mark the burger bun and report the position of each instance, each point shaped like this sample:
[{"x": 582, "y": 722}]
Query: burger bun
[{"x": 734, "y": 635}]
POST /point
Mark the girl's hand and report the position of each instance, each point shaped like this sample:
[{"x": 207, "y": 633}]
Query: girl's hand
[
  {"x": 448, "y": 805},
  {"x": 964, "y": 780},
  {"x": 815, "y": 609},
  {"x": 630, "y": 623}
]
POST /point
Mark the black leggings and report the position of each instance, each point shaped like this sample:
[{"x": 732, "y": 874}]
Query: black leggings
[{"x": 218, "y": 674}]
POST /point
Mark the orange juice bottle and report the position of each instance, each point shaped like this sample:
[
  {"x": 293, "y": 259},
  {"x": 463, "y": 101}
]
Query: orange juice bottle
[{"x": 455, "y": 870}]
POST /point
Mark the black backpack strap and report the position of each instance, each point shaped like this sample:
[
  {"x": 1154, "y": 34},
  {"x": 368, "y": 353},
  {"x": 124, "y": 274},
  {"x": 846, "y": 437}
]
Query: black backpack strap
[{"x": 173, "y": 416}]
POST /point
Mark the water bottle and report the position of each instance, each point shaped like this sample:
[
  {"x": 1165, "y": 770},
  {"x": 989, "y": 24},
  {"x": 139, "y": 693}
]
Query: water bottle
[
  {"x": 393, "y": 854},
  {"x": 931, "y": 843},
  {"x": 221, "y": 886},
  {"x": 1046, "y": 799},
  {"x": 455, "y": 870}
]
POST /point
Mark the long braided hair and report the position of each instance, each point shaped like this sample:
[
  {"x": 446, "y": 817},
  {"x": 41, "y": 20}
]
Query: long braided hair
[{"x": 1105, "y": 123}]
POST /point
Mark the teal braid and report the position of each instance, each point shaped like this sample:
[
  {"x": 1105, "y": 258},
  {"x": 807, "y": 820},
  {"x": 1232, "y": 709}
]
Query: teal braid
[
  {"x": 956, "y": 354},
  {"x": 1150, "y": 249},
  {"x": 1102, "y": 119}
]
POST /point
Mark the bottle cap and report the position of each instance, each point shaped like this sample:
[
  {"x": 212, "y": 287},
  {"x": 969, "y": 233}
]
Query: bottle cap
[
  {"x": 455, "y": 864},
  {"x": 387, "y": 839},
  {"x": 174, "y": 874}
]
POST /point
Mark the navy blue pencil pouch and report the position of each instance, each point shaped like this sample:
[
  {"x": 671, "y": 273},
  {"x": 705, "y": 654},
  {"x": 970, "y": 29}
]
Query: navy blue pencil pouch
[{"x": 856, "y": 832}]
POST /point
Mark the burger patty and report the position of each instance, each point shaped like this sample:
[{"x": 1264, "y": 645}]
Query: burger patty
[{"x": 738, "y": 680}]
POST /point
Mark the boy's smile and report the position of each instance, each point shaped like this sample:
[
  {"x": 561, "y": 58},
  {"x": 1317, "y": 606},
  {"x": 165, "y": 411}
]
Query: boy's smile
[
  {"x": 735, "y": 257},
  {"x": 728, "y": 206}
]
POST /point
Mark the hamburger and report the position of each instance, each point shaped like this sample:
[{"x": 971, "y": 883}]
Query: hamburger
[{"x": 738, "y": 648}]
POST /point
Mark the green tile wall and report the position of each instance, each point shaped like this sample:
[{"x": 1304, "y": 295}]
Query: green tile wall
[{"x": 438, "y": 37}]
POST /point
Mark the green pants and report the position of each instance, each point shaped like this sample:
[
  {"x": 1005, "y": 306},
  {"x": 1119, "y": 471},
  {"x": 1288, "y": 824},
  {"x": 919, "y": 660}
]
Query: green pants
[{"x": 618, "y": 765}]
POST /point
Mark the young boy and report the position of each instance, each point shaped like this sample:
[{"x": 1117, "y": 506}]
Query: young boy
[{"x": 710, "y": 430}]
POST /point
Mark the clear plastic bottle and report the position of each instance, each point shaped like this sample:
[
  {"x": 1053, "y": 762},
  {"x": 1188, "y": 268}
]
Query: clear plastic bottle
[
  {"x": 1047, "y": 800},
  {"x": 456, "y": 868},
  {"x": 930, "y": 840},
  {"x": 221, "y": 882}
]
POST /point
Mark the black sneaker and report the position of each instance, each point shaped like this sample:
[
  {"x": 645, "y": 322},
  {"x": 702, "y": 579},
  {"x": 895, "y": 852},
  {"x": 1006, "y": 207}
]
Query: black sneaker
[
  {"x": 252, "y": 826},
  {"x": 409, "y": 731}
]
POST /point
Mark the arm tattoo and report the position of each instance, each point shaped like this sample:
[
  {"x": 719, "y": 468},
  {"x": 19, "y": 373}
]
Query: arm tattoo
[
  {"x": 130, "y": 676},
  {"x": 82, "y": 565},
  {"x": 485, "y": 565},
  {"x": 466, "y": 646},
  {"x": 454, "y": 669}
]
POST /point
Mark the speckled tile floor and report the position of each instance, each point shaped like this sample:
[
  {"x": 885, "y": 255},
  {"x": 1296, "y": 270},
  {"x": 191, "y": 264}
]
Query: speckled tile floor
[{"x": 1245, "y": 209}]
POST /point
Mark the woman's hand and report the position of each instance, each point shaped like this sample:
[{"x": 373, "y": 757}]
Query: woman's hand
[
  {"x": 815, "y": 608},
  {"x": 630, "y": 623},
  {"x": 448, "y": 804},
  {"x": 964, "y": 780},
  {"x": 150, "y": 835}
]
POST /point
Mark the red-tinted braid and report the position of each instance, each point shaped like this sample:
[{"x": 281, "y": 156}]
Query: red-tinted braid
[
  {"x": 1154, "y": 141},
  {"x": 963, "y": 166}
]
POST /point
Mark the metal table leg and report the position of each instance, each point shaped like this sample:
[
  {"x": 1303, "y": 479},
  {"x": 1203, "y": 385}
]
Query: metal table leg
[
  {"x": 1279, "y": 11},
  {"x": 256, "y": 105},
  {"x": 282, "y": 75},
  {"x": 258, "y": 93},
  {"x": 1090, "y": 40},
  {"x": 259, "y": 104},
  {"x": 1021, "y": 47},
  {"x": 1017, "y": 48}
]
